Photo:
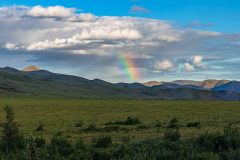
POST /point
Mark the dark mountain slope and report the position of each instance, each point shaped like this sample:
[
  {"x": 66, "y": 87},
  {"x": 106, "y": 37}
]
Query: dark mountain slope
[
  {"x": 233, "y": 86},
  {"x": 43, "y": 83}
]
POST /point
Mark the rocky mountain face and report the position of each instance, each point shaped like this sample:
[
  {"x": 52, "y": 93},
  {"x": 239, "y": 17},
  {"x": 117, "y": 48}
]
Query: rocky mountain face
[
  {"x": 31, "y": 68},
  {"x": 207, "y": 84}
]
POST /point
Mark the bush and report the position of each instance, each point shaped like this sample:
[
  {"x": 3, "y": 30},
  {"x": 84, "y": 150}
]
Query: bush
[
  {"x": 104, "y": 142},
  {"x": 128, "y": 121},
  {"x": 142, "y": 127},
  {"x": 79, "y": 124},
  {"x": 158, "y": 124},
  {"x": 60, "y": 145},
  {"x": 40, "y": 142},
  {"x": 11, "y": 138},
  {"x": 132, "y": 121},
  {"x": 80, "y": 145},
  {"x": 40, "y": 127},
  {"x": 193, "y": 124},
  {"x": 101, "y": 155},
  {"x": 172, "y": 134},
  {"x": 91, "y": 127},
  {"x": 217, "y": 142},
  {"x": 111, "y": 128},
  {"x": 173, "y": 123}
]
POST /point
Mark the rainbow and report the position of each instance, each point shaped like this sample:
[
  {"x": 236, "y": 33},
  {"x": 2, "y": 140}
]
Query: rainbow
[{"x": 128, "y": 64}]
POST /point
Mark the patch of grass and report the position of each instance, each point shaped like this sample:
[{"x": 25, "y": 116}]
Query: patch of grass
[{"x": 62, "y": 114}]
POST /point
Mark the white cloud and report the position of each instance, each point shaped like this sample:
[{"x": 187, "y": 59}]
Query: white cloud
[
  {"x": 87, "y": 37},
  {"x": 208, "y": 33},
  {"x": 188, "y": 67},
  {"x": 169, "y": 38},
  {"x": 197, "y": 59},
  {"x": 82, "y": 17},
  {"x": 63, "y": 34},
  {"x": 11, "y": 46},
  {"x": 164, "y": 65},
  {"x": 51, "y": 11}
]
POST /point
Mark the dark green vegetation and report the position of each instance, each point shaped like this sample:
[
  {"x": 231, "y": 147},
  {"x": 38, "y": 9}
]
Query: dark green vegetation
[
  {"x": 50, "y": 85},
  {"x": 122, "y": 119},
  {"x": 208, "y": 146}
]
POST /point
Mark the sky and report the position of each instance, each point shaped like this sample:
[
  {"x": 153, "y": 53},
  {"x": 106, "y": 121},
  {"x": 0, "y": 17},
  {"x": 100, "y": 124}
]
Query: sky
[{"x": 123, "y": 41}]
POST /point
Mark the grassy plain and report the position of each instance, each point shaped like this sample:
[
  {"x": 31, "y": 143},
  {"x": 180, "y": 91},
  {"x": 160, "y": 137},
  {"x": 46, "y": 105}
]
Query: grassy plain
[{"x": 63, "y": 114}]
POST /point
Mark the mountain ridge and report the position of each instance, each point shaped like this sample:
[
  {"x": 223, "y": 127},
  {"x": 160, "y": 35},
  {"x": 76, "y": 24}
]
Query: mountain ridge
[
  {"x": 42, "y": 83},
  {"x": 207, "y": 84}
]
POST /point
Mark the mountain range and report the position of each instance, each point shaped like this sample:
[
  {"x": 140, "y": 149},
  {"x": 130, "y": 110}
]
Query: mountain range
[{"x": 35, "y": 82}]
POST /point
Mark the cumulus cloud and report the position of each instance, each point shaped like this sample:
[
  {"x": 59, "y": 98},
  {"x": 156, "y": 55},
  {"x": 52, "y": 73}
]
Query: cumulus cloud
[
  {"x": 197, "y": 59},
  {"x": 87, "y": 41},
  {"x": 82, "y": 17},
  {"x": 164, "y": 65},
  {"x": 188, "y": 67},
  {"x": 85, "y": 37},
  {"x": 11, "y": 46},
  {"x": 51, "y": 11}
]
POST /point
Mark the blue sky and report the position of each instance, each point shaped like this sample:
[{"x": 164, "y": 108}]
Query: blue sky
[
  {"x": 162, "y": 40},
  {"x": 221, "y": 14}
]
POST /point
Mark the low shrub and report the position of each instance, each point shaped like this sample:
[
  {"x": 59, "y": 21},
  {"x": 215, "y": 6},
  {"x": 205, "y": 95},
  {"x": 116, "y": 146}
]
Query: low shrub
[
  {"x": 40, "y": 127},
  {"x": 142, "y": 127},
  {"x": 132, "y": 121},
  {"x": 101, "y": 155},
  {"x": 60, "y": 145},
  {"x": 79, "y": 124},
  {"x": 80, "y": 145},
  {"x": 173, "y": 123},
  {"x": 111, "y": 128},
  {"x": 128, "y": 121},
  {"x": 172, "y": 134},
  {"x": 40, "y": 142},
  {"x": 158, "y": 124},
  {"x": 91, "y": 127},
  {"x": 193, "y": 124},
  {"x": 104, "y": 142}
]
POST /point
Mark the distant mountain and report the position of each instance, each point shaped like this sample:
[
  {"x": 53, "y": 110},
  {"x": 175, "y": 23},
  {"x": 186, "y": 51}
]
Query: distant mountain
[
  {"x": 42, "y": 83},
  {"x": 213, "y": 83},
  {"x": 132, "y": 85},
  {"x": 31, "y": 68},
  {"x": 233, "y": 86},
  {"x": 170, "y": 85},
  {"x": 208, "y": 84},
  {"x": 152, "y": 83},
  {"x": 187, "y": 82}
]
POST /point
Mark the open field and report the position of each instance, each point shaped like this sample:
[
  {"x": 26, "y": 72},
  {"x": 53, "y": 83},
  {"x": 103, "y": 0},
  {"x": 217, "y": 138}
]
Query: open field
[{"x": 63, "y": 114}]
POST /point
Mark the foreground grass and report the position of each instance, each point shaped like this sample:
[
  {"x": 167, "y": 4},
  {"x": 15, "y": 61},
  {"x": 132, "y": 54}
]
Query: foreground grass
[{"x": 63, "y": 114}]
